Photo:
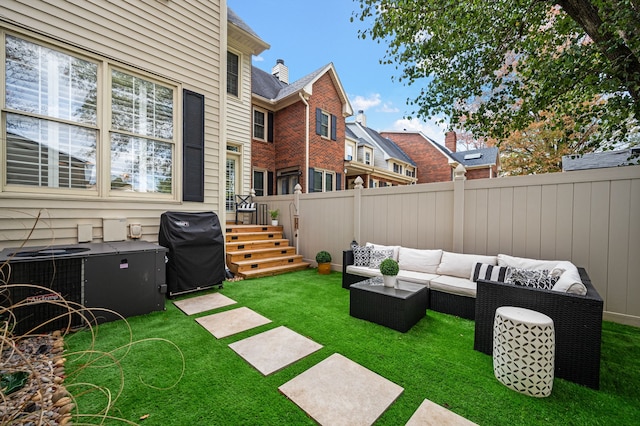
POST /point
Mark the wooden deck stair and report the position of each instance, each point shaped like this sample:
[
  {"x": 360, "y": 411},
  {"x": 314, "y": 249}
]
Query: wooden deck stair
[{"x": 260, "y": 250}]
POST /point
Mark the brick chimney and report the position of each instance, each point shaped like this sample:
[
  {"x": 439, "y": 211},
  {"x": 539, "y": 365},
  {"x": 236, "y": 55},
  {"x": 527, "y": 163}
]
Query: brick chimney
[
  {"x": 361, "y": 118},
  {"x": 451, "y": 140},
  {"x": 281, "y": 71}
]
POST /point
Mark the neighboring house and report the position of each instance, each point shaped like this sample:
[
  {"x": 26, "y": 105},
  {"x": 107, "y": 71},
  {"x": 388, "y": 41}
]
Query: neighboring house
[
  {"x": 144, "y": 99},
  {"x": 242, "y": 43},
  {"x": 298, "y": 131},
  {"x": 435, "y": 162},
  {"x": 376, "y": 159},
  {"x": 599, "y": 160}
]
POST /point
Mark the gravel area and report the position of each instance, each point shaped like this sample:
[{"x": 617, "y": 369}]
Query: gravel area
[{"x": 43, "y": 400}]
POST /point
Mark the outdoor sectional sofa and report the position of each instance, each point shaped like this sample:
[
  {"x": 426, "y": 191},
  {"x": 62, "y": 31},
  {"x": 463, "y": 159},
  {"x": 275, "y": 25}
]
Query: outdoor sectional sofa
[{"x": 573, "y": 304}]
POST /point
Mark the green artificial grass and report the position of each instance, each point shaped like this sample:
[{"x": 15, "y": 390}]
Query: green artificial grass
[{"x": 434, "y": 360}]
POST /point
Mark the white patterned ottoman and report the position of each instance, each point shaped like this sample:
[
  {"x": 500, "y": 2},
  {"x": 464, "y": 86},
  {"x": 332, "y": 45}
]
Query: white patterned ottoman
[{"x": 523, "y": 350}]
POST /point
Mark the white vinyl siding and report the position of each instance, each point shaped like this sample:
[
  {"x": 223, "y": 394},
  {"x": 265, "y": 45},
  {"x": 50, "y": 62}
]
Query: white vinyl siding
[{"x": 178, "y": 44}]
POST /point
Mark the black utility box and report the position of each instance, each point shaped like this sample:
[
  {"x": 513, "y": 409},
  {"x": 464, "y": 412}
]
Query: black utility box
[
  {"x": 196, "y": 251},
  {"x": 125, "y": 277}
]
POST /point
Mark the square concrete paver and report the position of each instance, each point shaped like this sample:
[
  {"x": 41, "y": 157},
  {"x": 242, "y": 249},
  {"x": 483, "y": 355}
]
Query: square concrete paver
[
  {"x": 431, "y": 414},
  {"x": 207, "y": 302},
  {"x": 274, "y": 349},
  {"x": 226, "y": 323},
  {"x": 338, "y": 391}
]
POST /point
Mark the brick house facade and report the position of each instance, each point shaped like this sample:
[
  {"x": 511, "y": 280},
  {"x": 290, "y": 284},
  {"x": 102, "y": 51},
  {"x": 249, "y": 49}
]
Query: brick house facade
[
  {"x": 435, "y": 162},
  {"x": 304, "y": 137}
]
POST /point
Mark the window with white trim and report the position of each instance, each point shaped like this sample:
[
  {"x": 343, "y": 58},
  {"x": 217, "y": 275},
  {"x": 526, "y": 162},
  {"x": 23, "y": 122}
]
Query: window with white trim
[
  {"x": 259, "y": 124},
  {"x": 325, "y": 124},
  {"x": 350, "y": 149},
  {"x": 52, "y": 121},
  {"x": 367, "y": 157},
  {"x": 233, "y": 73},
  {"x": 323, "y": 181}
]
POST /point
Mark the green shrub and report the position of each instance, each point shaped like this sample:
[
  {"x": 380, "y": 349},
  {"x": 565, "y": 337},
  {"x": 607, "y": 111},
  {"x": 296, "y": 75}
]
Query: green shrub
[
  {"x": 323, "y": 257},
  {"x": 389, "y": 267}
]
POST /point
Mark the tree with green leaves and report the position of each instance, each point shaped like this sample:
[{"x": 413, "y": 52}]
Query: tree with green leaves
[{"x": 496, "y": 66}]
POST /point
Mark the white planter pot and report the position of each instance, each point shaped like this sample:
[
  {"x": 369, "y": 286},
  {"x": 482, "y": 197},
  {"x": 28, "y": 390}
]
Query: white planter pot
[
  {"x": 389, "y": 280},
  {"x": 274, "y": 222}
]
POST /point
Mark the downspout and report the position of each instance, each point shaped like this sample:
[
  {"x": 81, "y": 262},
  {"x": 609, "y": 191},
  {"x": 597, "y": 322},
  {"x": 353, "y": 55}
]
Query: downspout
[{"x": 306, "y": 142}]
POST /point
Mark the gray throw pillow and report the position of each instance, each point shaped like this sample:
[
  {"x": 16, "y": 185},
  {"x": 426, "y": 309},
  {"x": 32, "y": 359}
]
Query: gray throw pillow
[
  {"x": 536, "y": 278},
  {"x": 377, "y": 256}
]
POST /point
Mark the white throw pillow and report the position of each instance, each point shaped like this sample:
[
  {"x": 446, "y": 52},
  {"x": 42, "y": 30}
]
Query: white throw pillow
[
  {"x": 525, "y": 263},
  {"x": 395, "y": 249},
  {"x": 569, "y": 281},
  {"x": 460, "y": 265},
  {"x": 419, "y": 260}
]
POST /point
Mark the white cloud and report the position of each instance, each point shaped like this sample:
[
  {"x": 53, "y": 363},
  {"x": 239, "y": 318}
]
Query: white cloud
[
  {"x": 258, "y": 58},
  {"x": 373, "y": 101},
  {"x": 361, "y": 103},
  {"x": 432, "y": 129},
  {"x": 387, "y": 107}
]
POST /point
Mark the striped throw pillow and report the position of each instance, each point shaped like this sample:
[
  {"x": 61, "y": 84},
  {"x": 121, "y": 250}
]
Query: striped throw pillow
[{"x": 484, "y": 271}]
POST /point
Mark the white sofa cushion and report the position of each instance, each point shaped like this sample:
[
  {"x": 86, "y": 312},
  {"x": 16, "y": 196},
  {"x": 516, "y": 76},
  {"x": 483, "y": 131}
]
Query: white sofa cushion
[
  {"x": 419, "y": 260},
  {"x": 396, "y": 249},
  {"x": 525, "y": 263},
  {"x": 416, "y": 277},
  {"x": 460, "y": 265},
  {"x": 453, "y": 285},
  {"x": 363, "y": 271},
  {"x": 569, "y": 281}
]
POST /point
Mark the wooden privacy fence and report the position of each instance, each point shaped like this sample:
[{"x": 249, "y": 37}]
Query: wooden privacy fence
[{"x": 591, "y": 218}]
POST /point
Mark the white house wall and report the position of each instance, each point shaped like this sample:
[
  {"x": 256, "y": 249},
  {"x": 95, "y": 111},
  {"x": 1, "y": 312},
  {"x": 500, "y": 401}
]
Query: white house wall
[
  {"x": 184, "y": 42},
  {"x": 239, "y": 115}
]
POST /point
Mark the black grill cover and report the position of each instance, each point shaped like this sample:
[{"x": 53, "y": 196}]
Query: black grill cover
[{"x": 196, "y": 250}]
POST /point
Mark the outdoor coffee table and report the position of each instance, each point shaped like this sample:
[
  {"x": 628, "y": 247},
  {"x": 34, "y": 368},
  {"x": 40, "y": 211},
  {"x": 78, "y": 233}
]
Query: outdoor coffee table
[{"x": 399, "y": 307}]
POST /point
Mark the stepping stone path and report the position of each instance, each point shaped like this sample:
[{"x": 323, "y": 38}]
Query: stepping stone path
[
  {"x": 336, "y": 391},
  {"x": 275, "y": 349}
]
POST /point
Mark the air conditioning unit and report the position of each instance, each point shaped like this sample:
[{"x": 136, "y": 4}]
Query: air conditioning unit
[{"x": 125, "y": 277}]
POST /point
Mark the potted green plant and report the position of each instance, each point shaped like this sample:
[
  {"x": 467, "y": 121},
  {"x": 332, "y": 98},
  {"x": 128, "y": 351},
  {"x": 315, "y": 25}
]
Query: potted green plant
[
  {"x": 389, "y": 269},
  {"x": 324, "y": 262},
  {"x": 274, "y": 216}
]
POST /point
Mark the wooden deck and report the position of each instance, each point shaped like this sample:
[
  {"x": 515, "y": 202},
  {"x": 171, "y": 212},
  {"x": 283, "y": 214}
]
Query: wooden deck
[{"x": 260, "y": 250}]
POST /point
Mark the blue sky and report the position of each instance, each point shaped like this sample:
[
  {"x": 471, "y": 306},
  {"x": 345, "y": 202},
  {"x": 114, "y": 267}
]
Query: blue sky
[{"x": 309, "y": 34}]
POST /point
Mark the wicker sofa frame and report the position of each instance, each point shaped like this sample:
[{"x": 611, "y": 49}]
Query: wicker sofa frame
[
  {"x": 577, "y": 322},
  {"x": 577, "y": 319}
]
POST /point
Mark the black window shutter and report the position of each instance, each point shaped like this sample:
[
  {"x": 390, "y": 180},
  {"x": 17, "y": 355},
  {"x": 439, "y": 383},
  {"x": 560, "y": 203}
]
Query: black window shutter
[
  {"x": 311, "y": 180},
  {"x": 270, "y": 126},
  {"x": 270, "y": 183},
  {"x": 334, "y": 125},
  {"x": 193, "y": 146},
  {"x": 338, "y": 181},
  {"x": 318, "y": 121}
]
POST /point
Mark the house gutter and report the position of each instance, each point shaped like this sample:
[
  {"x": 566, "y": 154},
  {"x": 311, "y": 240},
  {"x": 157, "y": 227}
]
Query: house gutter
[{"x": 306, "y": 141}]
